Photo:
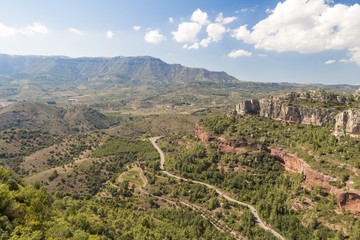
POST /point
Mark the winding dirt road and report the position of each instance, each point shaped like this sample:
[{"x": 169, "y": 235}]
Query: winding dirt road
[{"x": 252, "y": 209}]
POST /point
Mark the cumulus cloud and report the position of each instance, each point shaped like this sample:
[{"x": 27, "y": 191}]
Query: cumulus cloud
[
  {"x": 205, "y": 42},
  {"x": 187, "y": 32},
  {"x": 76, "y": 31},
  {"x": 215, "y": 31},
  {"x": 34, "y": 29},
  {"x": 136, "y": 28},
  {"x": 220, "y": 19},
  {"x": 306, "y": 27},
  {"x": 200, "y": 17},
  {"x": 355, "y": 55},
  {"x": 239, "y": 53},
  {"x": 171, "y": 20},
  {"x": 6, "y": 31},
  {"x": 109, "y": 34},
  {"x": 328, "y": 62},
  {"x": 192, "y": 46},
  {"x": 154, "y": 36}
]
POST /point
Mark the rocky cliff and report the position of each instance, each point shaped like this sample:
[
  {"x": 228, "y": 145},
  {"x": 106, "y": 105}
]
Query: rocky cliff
[
  {"x": 248, "y": 106},
  {"x": 349, "y": 200},
  {"x": 318, "y": 108},
  {"x": 279, "y": 110},
  {"x": 357, "y": 94},
  {"x": 348, "y": 123}
]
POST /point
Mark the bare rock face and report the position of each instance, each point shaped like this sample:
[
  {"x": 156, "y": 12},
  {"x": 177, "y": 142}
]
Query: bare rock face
[
  {"x": 350, "y": 200},
  {"x": 248, "y": 106},
  {"x": 311, "y": 107},
  {"x": 278, "y": 109},
  {"x": 202, "y": 135},
  {"x": 348, "y": 123},
  {"x": 357, "y": 94}
]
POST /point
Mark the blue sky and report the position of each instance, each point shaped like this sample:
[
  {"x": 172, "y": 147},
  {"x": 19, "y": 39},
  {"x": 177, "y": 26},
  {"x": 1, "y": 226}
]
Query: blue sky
[{"x": 314, "y": 41}]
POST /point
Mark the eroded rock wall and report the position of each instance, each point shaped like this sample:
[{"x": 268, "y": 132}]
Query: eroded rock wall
[
  {"x": 348, "y": 123},
  {"x": 202, "y": 135},
  {"x": 248, "y": 106},
  {"x": 349, "y": 200},
  {"x": 286, "y": 108},
  {"x": 277, "y": 109}
]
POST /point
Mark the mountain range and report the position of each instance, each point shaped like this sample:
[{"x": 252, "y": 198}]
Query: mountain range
[{"x": 127, "y": 84}]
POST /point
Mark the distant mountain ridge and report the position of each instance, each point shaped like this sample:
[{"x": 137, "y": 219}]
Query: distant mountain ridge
[
  {"x": 131, "y": 84},
  {"x": 137, "y": 69}
]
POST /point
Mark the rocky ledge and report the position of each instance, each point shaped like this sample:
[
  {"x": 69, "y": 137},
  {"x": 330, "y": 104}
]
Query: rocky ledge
[{"x": 318, "y": 108}]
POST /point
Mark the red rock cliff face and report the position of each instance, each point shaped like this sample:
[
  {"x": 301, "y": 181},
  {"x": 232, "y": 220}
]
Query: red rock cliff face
[
  {"x": 350, "y": 200},
  {"x": 202, "y": 135}
]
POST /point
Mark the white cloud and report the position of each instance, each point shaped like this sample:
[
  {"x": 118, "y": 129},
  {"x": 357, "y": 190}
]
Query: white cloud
[
  {"x": 220, "y": 19},
  {"x": 187, "y": 32},
  {"x": 307, "y": 27},
  {"x": 6, "y": 31},
  {"x": 328, "y": 62},
  {"x": 242, "y": 33},
  {"x": 171, "y": 20},
  {"x": 200, "y": 17},
  {"x": 35, "y": 29},
  {"x": 76, "y": 31},
  {"x": 154, "y": 36},
  {"x": 262, "y": 55},
  {"x": 269, "y": 11},
  {"x": 194, "y": 46},
  {"x": 244, "y": 10},
  {"x": 355, "y": 55},
  {"x": 215, "y": 31},
  {"x": 136, "y": 28},
  {"x": 109, "y": 34},
  {"x": 239, "y": 53},
  {"x": 344, "y": 60},
  {"x": 205, "y": 42}
]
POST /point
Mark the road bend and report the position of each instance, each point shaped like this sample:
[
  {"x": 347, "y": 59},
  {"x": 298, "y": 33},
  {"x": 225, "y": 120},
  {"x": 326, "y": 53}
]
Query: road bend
[{"x": 252, "y": 209}]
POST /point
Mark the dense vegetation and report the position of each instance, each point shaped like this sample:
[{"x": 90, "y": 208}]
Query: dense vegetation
[
  {"x": 317, "y": 145},
  {"x": 261, "y": 182},
  {"x": 255, "y": 177},
  {"x": 28, "y": 212}
]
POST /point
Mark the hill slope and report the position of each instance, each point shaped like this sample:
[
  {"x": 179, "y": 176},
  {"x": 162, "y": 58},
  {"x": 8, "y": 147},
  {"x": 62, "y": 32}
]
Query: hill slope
[{"x": 31, "y": 115}]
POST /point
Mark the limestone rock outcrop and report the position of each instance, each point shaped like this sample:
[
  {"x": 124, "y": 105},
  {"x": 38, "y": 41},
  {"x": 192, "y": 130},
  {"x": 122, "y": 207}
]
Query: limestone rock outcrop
[
  {"x": 348, "y": 123},
  {"x": 277, "y": 109},
  {"x": 248, "y": 106},
  {"x": 311, "y": 107},
  {"x": 357, "y": 94}
]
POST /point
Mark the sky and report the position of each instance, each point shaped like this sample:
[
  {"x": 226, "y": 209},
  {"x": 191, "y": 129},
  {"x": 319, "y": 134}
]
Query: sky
[{"x": 298, "y": 41}]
